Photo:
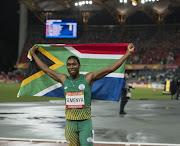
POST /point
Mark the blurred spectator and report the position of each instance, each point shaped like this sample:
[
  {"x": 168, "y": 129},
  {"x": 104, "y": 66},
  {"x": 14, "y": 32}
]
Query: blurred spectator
[{"x": 15, "y": 76}]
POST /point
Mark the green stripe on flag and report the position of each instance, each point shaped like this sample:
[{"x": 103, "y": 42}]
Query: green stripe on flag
[
  {"x": 40, "y": 83},
  {"x": 91, "y": 65},
  {"x": 87, "y": 65}
]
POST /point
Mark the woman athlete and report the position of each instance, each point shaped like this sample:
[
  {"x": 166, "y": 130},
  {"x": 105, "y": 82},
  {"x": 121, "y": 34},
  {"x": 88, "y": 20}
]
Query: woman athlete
[{"x": 77, "y": 91}]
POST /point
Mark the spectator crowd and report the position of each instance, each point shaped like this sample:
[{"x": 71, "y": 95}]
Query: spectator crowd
[{"x": 154, "y": 45}]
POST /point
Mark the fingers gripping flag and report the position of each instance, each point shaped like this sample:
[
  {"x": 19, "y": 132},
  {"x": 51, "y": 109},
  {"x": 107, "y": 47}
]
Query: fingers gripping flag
[{"x": 93, "y": 57}]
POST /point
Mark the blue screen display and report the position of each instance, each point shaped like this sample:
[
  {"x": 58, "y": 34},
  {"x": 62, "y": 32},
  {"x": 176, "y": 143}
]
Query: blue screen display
[{"x": 61, "y": 29}]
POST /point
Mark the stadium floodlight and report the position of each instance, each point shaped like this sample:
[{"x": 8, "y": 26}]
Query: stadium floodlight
[
  {"x": 80, "y": 3},
  {"x": 153, "y": 0},
  {"x": 142, "y": 1},
  {"x": 90, "y": 2},
  {"x": 121, "y": 1},
  {"x": 125, "y": 1}
]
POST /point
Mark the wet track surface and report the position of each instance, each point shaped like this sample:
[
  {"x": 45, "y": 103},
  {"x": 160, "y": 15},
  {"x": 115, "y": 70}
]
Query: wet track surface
[{"x": 147, "y": 121}]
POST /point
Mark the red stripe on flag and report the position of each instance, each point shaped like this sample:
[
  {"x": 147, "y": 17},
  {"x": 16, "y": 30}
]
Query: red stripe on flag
[{"x": 115, "y": 48}]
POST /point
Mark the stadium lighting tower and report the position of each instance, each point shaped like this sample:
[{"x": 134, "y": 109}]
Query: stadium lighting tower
[
  {"x": 121, "y": 1},
  {"x": 125, "y": 1},
  {"x": 81, "y": 3},
  {"x": 145, "y": 1}
]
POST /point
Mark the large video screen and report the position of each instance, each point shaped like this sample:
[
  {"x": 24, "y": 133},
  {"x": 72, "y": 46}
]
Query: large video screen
[{"x": 61, "y": 29}]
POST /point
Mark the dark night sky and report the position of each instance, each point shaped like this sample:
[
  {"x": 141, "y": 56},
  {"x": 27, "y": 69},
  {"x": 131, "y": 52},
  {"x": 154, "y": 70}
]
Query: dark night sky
[
  {"x": 9, "y": 20},
  {"x": 9, "y": 26}
]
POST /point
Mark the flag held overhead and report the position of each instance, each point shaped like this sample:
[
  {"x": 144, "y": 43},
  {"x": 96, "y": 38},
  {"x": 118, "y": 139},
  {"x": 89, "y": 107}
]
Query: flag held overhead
[{"x": 93, "y": 57}]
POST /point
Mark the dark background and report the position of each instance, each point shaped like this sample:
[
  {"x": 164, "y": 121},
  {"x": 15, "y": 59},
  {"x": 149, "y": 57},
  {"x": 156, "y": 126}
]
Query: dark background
[{"x": 9, "y": 29}]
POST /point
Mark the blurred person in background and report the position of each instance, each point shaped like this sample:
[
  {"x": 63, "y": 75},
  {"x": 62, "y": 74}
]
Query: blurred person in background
[
  {"x": 124, "y": 98},
  {"x": 175, "y": 87}
]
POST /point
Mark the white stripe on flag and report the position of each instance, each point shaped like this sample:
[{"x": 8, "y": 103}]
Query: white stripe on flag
[
  {"x": 57, "y": 45},
  {"x": 45, "y": 45},
  {"x": 29, "y": 57},
  {"x": 58, "y": 85},
  {"x": 115, "y": 75},
  {"x": 47, "y": 90},
  {"x": 95, "y": 56}
]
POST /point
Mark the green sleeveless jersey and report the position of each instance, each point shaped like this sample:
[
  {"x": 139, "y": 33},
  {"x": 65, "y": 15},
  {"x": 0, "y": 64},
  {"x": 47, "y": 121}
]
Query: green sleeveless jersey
[{"x": 77, "y": 91}]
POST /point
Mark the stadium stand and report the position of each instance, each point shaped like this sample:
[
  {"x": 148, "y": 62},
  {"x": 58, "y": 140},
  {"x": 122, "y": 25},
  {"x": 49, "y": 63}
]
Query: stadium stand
[
  {"x": 15, "y": 76},
  {"x": 153, "y": 46}
]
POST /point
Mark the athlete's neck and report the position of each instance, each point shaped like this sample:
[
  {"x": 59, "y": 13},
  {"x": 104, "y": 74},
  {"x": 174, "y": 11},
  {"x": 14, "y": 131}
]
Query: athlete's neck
[{"x": 75, "y": 76}]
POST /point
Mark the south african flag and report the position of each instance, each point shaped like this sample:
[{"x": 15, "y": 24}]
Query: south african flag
[{"x": 93, "y": 57}]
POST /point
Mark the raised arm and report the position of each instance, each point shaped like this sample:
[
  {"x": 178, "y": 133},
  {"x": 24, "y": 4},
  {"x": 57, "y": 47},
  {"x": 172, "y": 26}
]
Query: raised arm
[
  {"x": 93, "y": 76},
  {"x": 56, "y": 76}
]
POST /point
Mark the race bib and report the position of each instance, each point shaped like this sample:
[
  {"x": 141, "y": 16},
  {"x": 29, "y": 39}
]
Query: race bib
[{"x": 75, "y": 99}]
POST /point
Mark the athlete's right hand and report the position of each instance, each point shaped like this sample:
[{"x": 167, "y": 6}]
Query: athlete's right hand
[{"x": 33, "y": 49}]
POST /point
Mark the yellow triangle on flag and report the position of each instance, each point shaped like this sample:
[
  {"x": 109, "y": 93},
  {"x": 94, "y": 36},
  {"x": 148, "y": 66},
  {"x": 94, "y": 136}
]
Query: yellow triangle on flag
[{"x": 57, "y": 64}]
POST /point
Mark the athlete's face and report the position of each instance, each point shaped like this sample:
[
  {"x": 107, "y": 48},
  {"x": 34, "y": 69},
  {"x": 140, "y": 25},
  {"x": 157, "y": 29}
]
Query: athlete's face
[{"x": 73, "y": 67}]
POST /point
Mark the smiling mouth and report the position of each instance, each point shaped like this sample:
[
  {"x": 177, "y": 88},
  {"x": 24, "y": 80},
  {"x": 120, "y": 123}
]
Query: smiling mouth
[{"x": 72, "y": 71}]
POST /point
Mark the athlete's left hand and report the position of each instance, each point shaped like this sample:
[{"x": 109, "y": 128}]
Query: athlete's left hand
[{"x": 130, "y": 48}]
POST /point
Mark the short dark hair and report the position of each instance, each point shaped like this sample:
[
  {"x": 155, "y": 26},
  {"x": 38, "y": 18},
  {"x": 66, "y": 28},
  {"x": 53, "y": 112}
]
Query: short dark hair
[{"x": 75, "y": 58}]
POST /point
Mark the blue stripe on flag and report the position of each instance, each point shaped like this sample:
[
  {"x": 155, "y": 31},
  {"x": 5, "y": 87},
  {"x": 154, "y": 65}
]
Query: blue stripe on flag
[
  {"x": 58, "y": 92},
  {"x": 107, "y": 88}
]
